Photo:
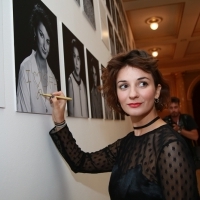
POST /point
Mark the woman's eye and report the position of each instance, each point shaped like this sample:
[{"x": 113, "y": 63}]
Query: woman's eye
[
  {"x": 124, "y": 86},
  {"x": 41, "y": 34},
  {"x": 48, "y": 42},
  {"x": 143, "y": 84}
]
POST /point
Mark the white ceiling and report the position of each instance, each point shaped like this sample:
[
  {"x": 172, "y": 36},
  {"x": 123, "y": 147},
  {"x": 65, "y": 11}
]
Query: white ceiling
[{"x": 178, "y": 35}]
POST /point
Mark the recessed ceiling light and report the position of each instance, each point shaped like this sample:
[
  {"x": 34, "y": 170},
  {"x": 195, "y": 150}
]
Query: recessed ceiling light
[{"x": 153, "y": 22}]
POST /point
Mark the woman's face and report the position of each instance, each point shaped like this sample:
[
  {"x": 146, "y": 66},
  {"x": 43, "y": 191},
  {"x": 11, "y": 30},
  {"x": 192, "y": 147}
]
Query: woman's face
[
  {"x": 43, "y": 41},
  {"x": 136, "y": 91},
  {"x": 94, "y": 76},
  {"x": 77, "y": 61}
]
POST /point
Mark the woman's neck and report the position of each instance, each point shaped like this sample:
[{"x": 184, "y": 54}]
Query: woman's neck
[
  {"x": 77, "y": 77},
  {"x": 41, "y": 63},
  {"x": 42, "y": 69},
  {"x": 145, "y": 119},
  {"x": 149, "y": 128}
]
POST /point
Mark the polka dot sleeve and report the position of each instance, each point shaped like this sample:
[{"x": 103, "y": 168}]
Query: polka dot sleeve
[
  {"x": 79, "y": 161},
  {"x": 176, "y": 172}
]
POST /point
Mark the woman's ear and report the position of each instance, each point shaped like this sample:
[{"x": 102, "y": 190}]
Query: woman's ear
[{"x": 158, "y": 89}]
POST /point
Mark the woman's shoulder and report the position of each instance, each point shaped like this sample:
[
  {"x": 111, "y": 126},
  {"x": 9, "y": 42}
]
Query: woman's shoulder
[
  {"x": 165, "y": 135},
  {"x": 28, "y": 60},
  {"x": 166, "y": 130}
]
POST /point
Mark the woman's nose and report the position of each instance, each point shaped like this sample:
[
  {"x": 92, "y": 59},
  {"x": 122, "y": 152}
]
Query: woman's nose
[
  {"x": 76, "y": 61},
  {"x": 133, "y": 92},
  {"x": 45, "y": 44}
]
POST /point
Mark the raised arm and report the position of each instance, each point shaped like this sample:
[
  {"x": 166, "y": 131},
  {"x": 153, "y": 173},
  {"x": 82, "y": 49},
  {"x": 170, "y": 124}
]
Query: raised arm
[{"x": 79, "y": 161}]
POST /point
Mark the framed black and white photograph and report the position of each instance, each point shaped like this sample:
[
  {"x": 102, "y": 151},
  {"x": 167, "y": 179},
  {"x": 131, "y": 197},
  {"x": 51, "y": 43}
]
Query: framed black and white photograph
[
  {"x": 122, "y": 117},
  {"x": 117, "y": 19},
  {"x": 117, "y": 115},
  {"x": 2, "y": 95},
  {"x": 88, "y": 7},
  {"x": 104, "y": 28},
  {"x": 36, "y": 55},
  {"x": 124, "y": 39},
  {"x": 113, "y": 12},
  {"x": 111, "y": 37},
  {"x": 108, "y": 6},
  {"x": 75, "y": 74},
  {"x": 119, "y": 23},
  {"x": 94, "y": 83},
  {"x": 108, "y": 112},
  {"x": 118, "y": 45}
]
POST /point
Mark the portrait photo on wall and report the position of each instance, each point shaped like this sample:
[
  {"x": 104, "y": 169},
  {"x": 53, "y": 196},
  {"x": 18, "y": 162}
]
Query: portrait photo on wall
[
  {"x": 108, "y": 111},
  {"x": 117, "y": 115},
  {"x": 108, "y": 6},
  {"x": 118, "y": 45},
  {"x": 122, "y": 117},
  {"x": 75, "y": 75},
  {"x": 36, "y": 55},
  {"x": 113, "y": 12},
  {"x": 103, "y": 25},
  {"x": 94, "y": 83},
  {"x": 88, "y": 7},
  {"x": 111, "y": 37}
]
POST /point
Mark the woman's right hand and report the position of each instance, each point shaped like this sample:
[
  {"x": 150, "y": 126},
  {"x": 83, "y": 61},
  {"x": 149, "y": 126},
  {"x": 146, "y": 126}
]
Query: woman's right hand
[{"x": 58, "y": 107}]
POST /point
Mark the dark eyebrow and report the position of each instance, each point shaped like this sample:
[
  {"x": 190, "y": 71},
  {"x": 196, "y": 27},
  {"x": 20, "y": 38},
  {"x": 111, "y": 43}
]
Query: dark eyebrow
[
  {"x": 142, "y": 78},
  {"x": 121, "y": 81},
  {"x": 137, "y": 79}
]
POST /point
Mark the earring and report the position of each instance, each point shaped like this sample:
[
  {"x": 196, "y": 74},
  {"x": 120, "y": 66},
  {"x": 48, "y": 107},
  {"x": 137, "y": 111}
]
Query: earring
[{"x": 156, "y": 100}]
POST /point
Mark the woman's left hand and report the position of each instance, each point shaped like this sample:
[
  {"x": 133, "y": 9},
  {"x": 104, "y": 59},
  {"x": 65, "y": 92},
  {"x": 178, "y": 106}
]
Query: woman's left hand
[{"x": 58, "y": 107}]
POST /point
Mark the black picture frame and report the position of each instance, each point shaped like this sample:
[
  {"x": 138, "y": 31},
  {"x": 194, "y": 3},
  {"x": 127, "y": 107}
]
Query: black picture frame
[
  {"x": 95, "y": 95},
  {"x": 24, "y": 41},
  {"x": 68, "y": 39},
  {"x": 111, "y": 37}
]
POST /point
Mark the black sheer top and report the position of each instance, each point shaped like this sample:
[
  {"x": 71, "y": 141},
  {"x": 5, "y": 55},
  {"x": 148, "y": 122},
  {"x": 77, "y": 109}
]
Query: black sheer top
[{"x": 154, "y": 166}]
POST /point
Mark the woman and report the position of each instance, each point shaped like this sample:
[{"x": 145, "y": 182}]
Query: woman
[
  {"x": 95, "y": 95},
  {"x": 35, "y": 76},
  {"x": 76, "y": 88},
  {"x": 151, "y": 162}
]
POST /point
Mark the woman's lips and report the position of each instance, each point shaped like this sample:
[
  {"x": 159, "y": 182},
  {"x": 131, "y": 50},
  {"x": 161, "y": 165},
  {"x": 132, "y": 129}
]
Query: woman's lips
[
  {"x": 45, "y": 52},
  {"x": 134, "y": 105}
]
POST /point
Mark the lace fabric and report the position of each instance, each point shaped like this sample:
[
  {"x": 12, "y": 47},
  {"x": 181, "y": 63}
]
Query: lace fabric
[{"x": 156, "y": 165}]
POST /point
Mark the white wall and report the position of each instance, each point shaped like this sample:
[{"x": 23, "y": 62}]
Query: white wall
[{"x": 31, "y": 167}]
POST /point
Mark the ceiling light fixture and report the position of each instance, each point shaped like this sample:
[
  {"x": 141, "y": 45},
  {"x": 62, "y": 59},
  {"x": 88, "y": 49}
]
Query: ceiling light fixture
[
  {"x": 153, "y": 22},
  {"x": 154, "y": 51}
]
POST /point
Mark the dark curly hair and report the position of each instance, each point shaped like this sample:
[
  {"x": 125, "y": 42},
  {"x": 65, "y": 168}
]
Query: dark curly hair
[
  {"x": 39, "y": 15},
  {"x": 74, "y": 44},
  {"x": 95, "y": 65},
  {"x": 175, "y": 100},
  {"x": 138, "y": 59}
]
